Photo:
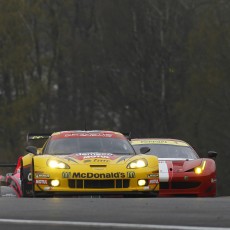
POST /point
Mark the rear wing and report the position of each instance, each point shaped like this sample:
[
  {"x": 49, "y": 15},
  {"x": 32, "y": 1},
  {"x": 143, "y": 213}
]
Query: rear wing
[
  {"x": 37, "y": 139},
  {"x": 37, "y": 136}
]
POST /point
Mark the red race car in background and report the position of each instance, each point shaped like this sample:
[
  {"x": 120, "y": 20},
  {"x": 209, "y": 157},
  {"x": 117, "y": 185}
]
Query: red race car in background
[
  {"x": 10, "y": 183},
  {"x": 181, "y": 171}
]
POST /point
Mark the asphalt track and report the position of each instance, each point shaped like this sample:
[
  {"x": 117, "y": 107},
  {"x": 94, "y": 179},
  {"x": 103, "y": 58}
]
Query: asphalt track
[{"x": 114, "y": 213}]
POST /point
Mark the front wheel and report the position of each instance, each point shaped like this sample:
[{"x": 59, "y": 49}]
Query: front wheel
[
  {"x": 32, "y": 182},
  {"x": 26, "y": 181}
]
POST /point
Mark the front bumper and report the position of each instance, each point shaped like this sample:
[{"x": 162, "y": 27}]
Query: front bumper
[
  {"x": 189, "y": 184},
  {"x": 96, "y": 182}
]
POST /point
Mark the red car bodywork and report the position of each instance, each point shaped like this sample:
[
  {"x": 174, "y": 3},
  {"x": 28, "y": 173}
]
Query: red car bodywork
[
  {"x": 11, "y": 183},
  {"x": 177, "y": 173},
  {"x": 183, "y": 181}
]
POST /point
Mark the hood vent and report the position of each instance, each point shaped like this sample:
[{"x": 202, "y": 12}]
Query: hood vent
[
  {"x": 98, "y": 166},
  {"x": 178, "y": 163}
]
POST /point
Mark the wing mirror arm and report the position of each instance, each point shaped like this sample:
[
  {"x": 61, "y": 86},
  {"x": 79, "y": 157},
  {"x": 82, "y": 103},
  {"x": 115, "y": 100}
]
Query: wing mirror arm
[
  {"x": 31, "y": 149},
  {"x": 212, "y": 154}
]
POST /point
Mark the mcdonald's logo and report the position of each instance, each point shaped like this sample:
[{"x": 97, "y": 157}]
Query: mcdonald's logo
[
  {"x": 66, "y": 174},
  {"x": 131, "y": 174}
]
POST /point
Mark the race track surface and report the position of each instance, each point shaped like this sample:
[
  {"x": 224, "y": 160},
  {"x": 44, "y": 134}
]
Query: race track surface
[{"x": 114, "y": 213}]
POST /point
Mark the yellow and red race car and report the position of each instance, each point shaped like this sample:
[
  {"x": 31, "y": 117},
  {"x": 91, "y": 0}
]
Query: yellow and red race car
[
  {"x": 75, "y": 163},
  {"x": 181, "y": 171}
]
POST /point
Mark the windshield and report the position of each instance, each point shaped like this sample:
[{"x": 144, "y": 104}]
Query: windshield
[
  {"x": 83, "y": 145},
  {"x": 169, "y": 151}
]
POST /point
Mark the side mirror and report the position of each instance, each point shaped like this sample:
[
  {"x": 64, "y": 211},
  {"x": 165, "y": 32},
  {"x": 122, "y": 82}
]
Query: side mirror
[
  {"x": 31, "y": 149},
  {"x": 212, "y": 154},
  {"x": 144, "y": 150}
]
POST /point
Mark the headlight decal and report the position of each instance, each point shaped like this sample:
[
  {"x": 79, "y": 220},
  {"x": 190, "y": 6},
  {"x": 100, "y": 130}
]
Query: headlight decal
[
  {"x": 139, "y": 163},
  {"x": 200, "y": 169},
  {"x": 203, "y": 165},
  {"x": 56, "y": 164}
]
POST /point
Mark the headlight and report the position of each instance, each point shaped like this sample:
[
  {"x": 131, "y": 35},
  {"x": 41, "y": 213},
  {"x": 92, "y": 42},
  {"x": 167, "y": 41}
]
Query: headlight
[
  {"x": 200, "y": 169},
  {"x": 55, "y": 164},
  {"x": 140, "y": 163},
  {"x": 55, "y": 183}
]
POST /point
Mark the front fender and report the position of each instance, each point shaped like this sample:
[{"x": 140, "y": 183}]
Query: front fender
[
  {"x": 26, "y": 175},
  {"x": 27, "y": 160}
]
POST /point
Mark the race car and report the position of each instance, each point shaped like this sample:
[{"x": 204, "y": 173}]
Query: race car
[
  {"x": 181, "y": 171},
  {"x": 10, "y": 183},
  {"x": 91, "y": 163}
]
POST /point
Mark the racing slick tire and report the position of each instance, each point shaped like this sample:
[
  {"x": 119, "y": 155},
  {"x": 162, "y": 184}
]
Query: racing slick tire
[
  {"x": 32, "y": 174},
  {"x": 26, "y": 183}
]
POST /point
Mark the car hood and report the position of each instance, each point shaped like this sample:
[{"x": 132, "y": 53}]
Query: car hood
[
  {"x": 178, "y": 165},
  {"x": 96, "y": 158}
]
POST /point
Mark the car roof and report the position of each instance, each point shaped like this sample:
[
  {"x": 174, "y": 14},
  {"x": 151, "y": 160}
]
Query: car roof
[
  {"x": 163, "y": 141},
  {"x": 87, "y": 134}
]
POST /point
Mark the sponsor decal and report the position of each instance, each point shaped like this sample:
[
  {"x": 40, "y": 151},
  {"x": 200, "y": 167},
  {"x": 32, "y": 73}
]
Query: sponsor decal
[
  {"x": 145, "y": 142},
  {"x": 93, "y": 155},
  {"x": 153, "y": 175},
  {"x": 131, "y": 174},
  {"x": 88, "y": 157},
  {"x": 213, "y": 180},
  {"x": 154, "y": 181},
  {"x": 41, "y": 182},
  {"x": 186, "y": 178},
  {"x": 29, "y": 177},
  {"x": 83, "y": 134},
  {"x": 153, "y": 142},
  {"x": 100, "y": 160},
  {"x": 39, "y": 175},
  {"x": 146, "y": 188},
  {"x": 159, "y": 141},
  {"x": 66, "y": 174},
  {"x": 88, "y": 134},
  {"x": 89, "y": 175}
]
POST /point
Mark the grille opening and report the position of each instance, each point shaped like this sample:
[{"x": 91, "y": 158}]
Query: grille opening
[
  {"x": 98, "y": 184},
  {"x": 185, "y": 185},
  {"x": 179, "y": 185}
]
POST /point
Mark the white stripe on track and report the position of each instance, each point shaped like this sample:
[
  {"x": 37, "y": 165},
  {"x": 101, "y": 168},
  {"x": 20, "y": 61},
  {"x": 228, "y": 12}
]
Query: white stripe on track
[{"x": 106, "y": 225}]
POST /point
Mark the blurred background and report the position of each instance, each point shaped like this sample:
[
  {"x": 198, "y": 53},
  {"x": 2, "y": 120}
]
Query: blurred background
[{"x": 156, "y": 68}]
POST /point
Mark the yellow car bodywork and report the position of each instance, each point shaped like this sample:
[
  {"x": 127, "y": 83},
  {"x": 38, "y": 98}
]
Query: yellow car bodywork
[
  {"x": 79, "y": 176},
  {"x": 91, "y": 173}
]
